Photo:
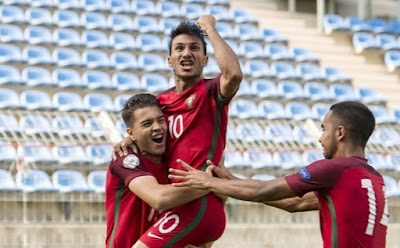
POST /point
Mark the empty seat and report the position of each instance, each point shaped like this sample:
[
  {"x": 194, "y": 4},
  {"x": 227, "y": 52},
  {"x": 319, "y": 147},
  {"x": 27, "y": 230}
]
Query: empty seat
[
  {"x": 35, "y": 100},
  {"x": 245, "y": 89},
  {"x": 7, "y": 152},
  {"x": 35, "y": 153},
  {"x": 303, "y": 55},
  {"x": 263, "y": 177},
  {"x": 369, "y": 95},
  {"x": 334, "y": 74},
  {"x": 37, "y": 76},
  {"x": 386, "y": 41},
  {"x": 37, "y": 55},
  {"x": 283, "y": 70},
  {"x": 154, "y": 82},
  {"x": 377, "y": 25},
  {"x": 381, "y": 114},
  {"x": 10, "y": 53},
  {"x": 378, "y": 161},
  {"x": 94, "y": 126},
  {"x": 66, "y": 18},
  {"x": 363, "y": 41},
  {"x": 301, "y": 132},
  {"x": 143, "y": 7},
  {"x": 145, "y": 24},
  {"x": 391, "y": 59},
  {"x": 310, "y": 156},
  {"x": 94, "y": 39},
  {"x": 396, "y": 114},
  {"x": 234, "y": 159},
  {"x": 97, "y": 80},
  {"x": 11, "y": 14},
  {"x": 288, "y": 159},
  {"x": 252, "y": 49},
  {"x": 277, "y": 51},
  {"x": 42, "y": 3},
  {"x": 7, "y": 182},
  {"x": 120, "y": 100},
  {"x": 152, "y": 62},
  {"x": 220, "y": 13},
  {"x": 10, "y": 75},
  {"x": 93, "y": 20},
  {"x": 65, "y": 77},
  {"x": 168, "y": 9},
  {"x": 149, "y": 43},
  {"x": 250, "y": 132},
  {"x": 259, "y": 159},
  {"x": 9, "y": 99},
  {"x": 225, "y": 30},
  {"x": 126, "y": 81},
  {"x": 290, "y": 89},
  {"x": 69, "y": 125},
  {"x": 67, "y": 37},
  {"x": 119, "y": 22},
  {"x": 334, "y": 23},
  {"x": 212, "y": 68},
  {"x": 69, "y": 181},
  {"x": 241, "y": 16},
  {"x": 356, "y": 24},
  {"x": 38, "y": 35},
  {"x": 167, "y": 24},
  {"x": 122, "y": 41},
  {"x": 35, "y": 124},
  {"x": 95, "y": 59},
  {"x": 241, "y": 108},
  {"x": 264, "y": 88},
  {"x": 246, "y": 31},
  {"x": 68, "y": 101},
  {"x": 256, "y": 68},
  {"x": 11, "y": 33},
  {"x": 38, "y": 16},
  {"x": 272, "y": 35},
  {"x": 118, "y": 6},
  {"x": 317, "y": 91},
  {"x": 66, "y": 57},
  {"x": 94, "y": 5},
  {"x": 123, "y": 61},
  {"x": 121, "y": 127},
  {"x": 97, "y": 102},
  {"x": 298, "y": 110},
  {"x": 99, "y": 154},
  {"x": 319, "y": 110},
  {"x": 97, "y": 180},
  {"x": 279, "y": 133},
  {"x": 70, "y": 154},
  {"x": 8, "y": 124},
  {"x": 68, "y": 4},
  {"x": 309, "y": 72},
  {"x": 271, "y": 110},
  {"x": 394, "y": 159},
  {"x": 392, "y": 187},
  {"x": 192, "y": 10},
  {"x": 343, "y": 92},
  {"x": 385, "y": 136},
  {"x": 33, "y": 180}
]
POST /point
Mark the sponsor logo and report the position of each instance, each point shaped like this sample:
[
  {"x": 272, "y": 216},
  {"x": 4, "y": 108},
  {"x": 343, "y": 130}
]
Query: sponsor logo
[
  {"x": 151, "y": 235},
  {"x": 190, "y": 101},
  {"x": 304, "y": 174},
  {"x": 131, "y": 161}
]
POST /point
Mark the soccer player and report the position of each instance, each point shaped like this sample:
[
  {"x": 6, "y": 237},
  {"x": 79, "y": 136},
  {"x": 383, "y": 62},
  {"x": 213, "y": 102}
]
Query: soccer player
[
  {"x": 348, "y": 192},
  {"x": 137, "y": 184},
  {"x": 196, "y": 110}
]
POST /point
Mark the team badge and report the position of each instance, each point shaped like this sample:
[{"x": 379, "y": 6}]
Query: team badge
[
  {"x": 190, "y": 101},
  {"x": 131, "y": 161},
  {"x": 304, "y": 174}
]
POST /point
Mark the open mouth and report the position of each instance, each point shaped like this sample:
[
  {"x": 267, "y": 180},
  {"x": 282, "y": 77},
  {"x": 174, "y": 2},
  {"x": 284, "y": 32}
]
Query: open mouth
[
  {"x": 186, "y": 64},
  {"x": 158, "y": 138}
]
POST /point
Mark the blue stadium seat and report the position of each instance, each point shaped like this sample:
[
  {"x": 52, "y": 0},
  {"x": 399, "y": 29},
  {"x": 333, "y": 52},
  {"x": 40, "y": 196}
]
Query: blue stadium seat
[
  {"x": 357, "y": 24},
  {"x": 234, "y": 159},
  {"x": 290, "y": 89},
  {"x": 126, "y": 81},
  {"x": 334, "y": 23},
  {"x": 42, "y": 3},
  {"x": 391, "y": 59},
  {"x": 387, "y": 41},
  {"x": 97, "y": 180},
  {"x": 36, "y": 124},
  {"x": 279, "y": 133},
  {"x": 152, "y": 82},
  {"x": 288, "y": 159},
  {"x": 243, "y": 109},
  {"x": 225, "y": 30},
  {"x": 310, "y": 156},
  {"x": 381, "y": 114},
  {"x": 298, "y": 110},
  {"x": 66, "y": 57},
  {"x": 220, "y": 12},
  {"x": 37, "y": 55},
  {"x": 94, "y": 39},
  {"x": 118, "y": 6},
  {"x": 364, "y": 41},
  {"x": 212, "y": 68},
  {"x": 66, "y": 37},
  {"x": 252, "y": 49},
  {"x": 283, "y": 70},
  {"x": 35, "y": 153},
  {"x": 246, "y": 31},
  {"x": 119, "y": 22},
  {"x": 256, "y": 68},
  {"x": 230, "y": 133},
  {"x": 317, "y": 91},
  {"x": 393, "y": 159},
  {"x": 70, "y": 154},
  {"x": 11, "y": 14},
  {"x": 263, "y": 177},
  {"x": 122, "y": 41},
  {"x": 7, "y": 182},
  {"x": 33, "y": 180},
  {"x": 95, "y": 59},
  {"x": 369, "y": 95},
  {"x": 301, "y": 54},
  {"x": 143, "y": 7},
  {"x": 152, "y": 62},
  {"x": 264, "y": 88},
  {"x": 69, "y": 125},
  {"x": 10, "y": 53},
  {"x": 11, "y": 33},
  {"x": 99, "y": 154},
  {"x": 121, "y": 127},
  {"x": 120, "y": 100},
  {"x": 343, "y": 92},
  {"x": 259, "y": 159},
  {"x": 241, "y": 16},
  {"x": 396, "y": 114},
  {"x": 301, "y": 132},
  {"x": 8, "y": 153},
  {"x": 68, "y": 101},
  {"x": 309, "y": 72},
  {"x": 36, "y": 100},
  {"x": 378, "y": 161},
  {"x": 394, "y": 26},
  {"x": 271, "y": 110},
  {"x": 378, "y": 25},
  {"x": 8, "y": 124},
  {"x": 335, "y": 75},
  {"x": 93, "y": 20},
  {"x": 14, "y": 2},
  {"x": 38, "y": 35},
  {"x": 9, "y": 99},
  {"x": 66, "y": 18},
  {"x": 38, "y": 16},
  {"x": 277, "y": 51},
  {"x": 95, "y": 127},
  {"x": 65, "y": 77},
  {"x": 69, "y": 181},
  {"x": 68, "y": 4},
  {"x": 168, "y": 9},
  {"x": 272, "y": 35},
  {"x": 95, "y": 80},
  {"x": 149, "y": 43},
  {"x": 10, "y": 75},
  {"x": 392, "y": 188},
  {"x": 385, "y": 136},
  {"x": 94, "y": 5},
  {"x": 319, "y": 110},
  {"x": 192, "y": 10},
  {"x": 123, "y": 61},
  {"x": 97, "y": 102},
  {"x": 37, "y": 76},
  {"x": 167, "y": 24},
  {"x": 146, "y": 24},
  {"x": 245, "y": 89}
]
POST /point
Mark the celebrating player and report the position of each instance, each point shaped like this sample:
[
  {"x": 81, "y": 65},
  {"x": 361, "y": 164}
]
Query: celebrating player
[{"x": 349, "y": 193}]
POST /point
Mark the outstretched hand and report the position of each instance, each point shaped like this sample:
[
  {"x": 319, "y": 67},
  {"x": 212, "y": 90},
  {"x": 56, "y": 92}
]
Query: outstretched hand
[
  {"x": 121, "y": 148},
  {"x": 192, "y": 177}
]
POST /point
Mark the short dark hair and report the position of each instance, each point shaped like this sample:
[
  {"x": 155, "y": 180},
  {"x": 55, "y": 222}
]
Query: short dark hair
[
  {"x": 357, "y": 118},
  {"x": 135, "y": 102},
  {"x": 189, "y": 28}
]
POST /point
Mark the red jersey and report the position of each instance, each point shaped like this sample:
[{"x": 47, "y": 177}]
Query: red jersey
[
  {"x": 128, "y": 216},
  {"x": 351, "y": 201}
]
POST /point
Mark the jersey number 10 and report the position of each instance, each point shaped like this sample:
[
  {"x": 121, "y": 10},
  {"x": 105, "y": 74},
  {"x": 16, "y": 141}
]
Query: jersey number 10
[{"x": 175, "y": 126}]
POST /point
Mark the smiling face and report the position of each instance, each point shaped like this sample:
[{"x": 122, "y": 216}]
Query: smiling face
[
  {"x": 148, "y": 131},
  {"x": 187, "y": 57},
  {"x": 328, "y": 139}
]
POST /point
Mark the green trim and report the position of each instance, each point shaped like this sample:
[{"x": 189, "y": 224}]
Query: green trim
[
  {"x": 191, "y": 226},
  {"x": 220, "y": 102},
  {"x": 334, "y": 238},
  {"x": 117, "y": 207}
]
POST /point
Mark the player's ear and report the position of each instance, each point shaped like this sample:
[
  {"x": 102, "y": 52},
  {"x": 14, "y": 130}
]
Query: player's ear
[
  {"x": 205, "y": 61},
  {"x": 131, "y": 133},
  {"x": 169, "y": 61},
  {"x": 341, "y": 133}
]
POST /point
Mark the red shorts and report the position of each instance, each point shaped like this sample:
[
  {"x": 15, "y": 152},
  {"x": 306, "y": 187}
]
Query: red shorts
[{"x": 197, "y": 222}]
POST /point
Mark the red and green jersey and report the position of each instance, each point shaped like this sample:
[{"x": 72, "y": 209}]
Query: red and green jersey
[
  {"x": 351, "y": 198},
  {"x": 128, "y": 216}
]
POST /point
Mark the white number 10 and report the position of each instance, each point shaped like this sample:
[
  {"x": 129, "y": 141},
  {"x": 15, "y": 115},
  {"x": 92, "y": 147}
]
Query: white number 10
[{"x": 175, "y": 126}]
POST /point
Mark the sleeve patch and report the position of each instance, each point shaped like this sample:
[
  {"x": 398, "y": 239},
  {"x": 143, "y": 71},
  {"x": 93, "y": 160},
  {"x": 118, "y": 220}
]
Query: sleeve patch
[
  {"x": 304, "y": 174},
  {"x": 131, "y": 161}
]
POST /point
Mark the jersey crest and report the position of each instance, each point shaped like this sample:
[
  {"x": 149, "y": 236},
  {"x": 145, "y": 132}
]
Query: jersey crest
[
  {"x": 190, "y": 101},
  {"x": 131, "y": 161}
]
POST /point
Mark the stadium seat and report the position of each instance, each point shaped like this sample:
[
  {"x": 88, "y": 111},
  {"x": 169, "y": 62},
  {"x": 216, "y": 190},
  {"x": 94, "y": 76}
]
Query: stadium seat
[
  {"x": 123, "y": 61},
  {"x": 33, "y": 124},
  {"x": 309, "y": 72},
  {"x": 167, "y": 24},
  {"x": 99, "y": 154},
  {"x": 7, "y": 182},
  {"x": 250, "y": 132},
  {"x": 263, "y": 177},
  {"x": 34, "y": 180},
  {"x": 301, "y": 54},
  {"x": 290, "y": 89},
  {"x": 264, "y": 88},
  {"x": 11, "y": 33},
  {"x": 298, "y": 110},
  {"x": 152, "y": 82},
  {"x": 119, "y": 22},
  {"x": 94, "y": 5},
  {"x": 385, "y": 136},
  {"x": 146, "y": 24},
  {"x": 122, "y": 41},
  {"x": 243, "y": 109},
  {"x": 364, "y": 41},
  {"x": 94, "y": 39},
  {"x": 245, "y": 89},
  {"x": 68, "y": 4},
  {"x": 66, "y": 37},
  {"x": 394, "y": 26},
  {"x": 95, "y": 80},
  {"x": 252, "y": 49},
  {"x": 310, "y": 156},
  {"x": 212, "y": 68},
  {"x": 319, "y": 110},
  {"x": 317, "y": 91},
  {"x": 120, "y": 100},
  {"x": 246, "y": 32},
  {"x": 152, "y": 62},
  {"x": 225, "y": 30},
  {"x": 234, "y": 159},
  {"x": 95, "y": 127},
  {"x": 10, "y": 53},
  {"x": 230, "y": 133},
  {"x": 7, "y": 151},
  {"x": 11, "y": 14},
  {"x": 334, "y": 23},
  {"x": 95, "y": 59},
  {"x": 37, "y": 55},
  {"x": 68, "y": 101},
  {"x": 271, "y": 110},
  {"x": 126, "y": 81},
  {"x": 8, "y": 124},
  {"x": 395, "y": 113},
  {"x": 302, "y": 133},
  {"x": 288, "y": 159},
  {"x": 69, "y": 125},
  {"x": 38, "y": 35},
  {"x": 378, "y": 25},
  {"x": 382, "y": 114},
  {"x": 9, "y": 99},
  {"x": 391, "y": 59},
  {"x": 118, "y": 6},
  {"x": 279, "y": 133},
  {"x": 272, "y": 36},
  {"x": 276, "y": 51},
  {"x": 66, "y": 57},
  {"x": 10, "y": 75},
  {"x": 70, "y": 154},
  {"x": 38, "y": 16},
  {"x": 220, "y": 13},
  {"x": 256, "y": 68},
  {"x": 392, "y": 188},
  {"x": 192, "y": 10},
  {"x": 393, "y": 159},
  {"x": 93, "y": 20},
  {"x": 97, "y": 102},
  {"x": 149, "y": 43},
  {"x": 121, "y": 127},
  {"x": 259, "y": 159},
  {"x": 387, "y": 41},
  {"x": 66, "y": 19},
  {"x": 241, "y": 16},
  {"x": 283, "y": 70},
  {"x": 369, "y": 95},
  {"x": 335, "y": 75},
  {"x": 378, "y": 161},
  {"x": 37, "y": 76},
  {"x": 168, "y": 9},
  {"x": 143, "y": 7},
  {"x": 42, "y": 3},
  {"x": 65, "y": 78},
  {"x": 36, "y": 100},
  {"x": 35, "y": 153},
  {"x": 97, "y": 180},
  {"x": 69, "y": 181},
  {"x": 343, "y": 92},
  {"x": 356, "y": 24}
]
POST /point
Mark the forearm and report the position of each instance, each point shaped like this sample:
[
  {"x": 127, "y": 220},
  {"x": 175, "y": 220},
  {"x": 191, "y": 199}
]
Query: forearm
[
  {"x": 169, "y": 196},
  {"x": 308, "y": 202}
]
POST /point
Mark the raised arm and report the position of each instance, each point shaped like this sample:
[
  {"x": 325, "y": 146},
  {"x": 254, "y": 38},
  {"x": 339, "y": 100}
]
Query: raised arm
[{"x": 227, "y": 61}]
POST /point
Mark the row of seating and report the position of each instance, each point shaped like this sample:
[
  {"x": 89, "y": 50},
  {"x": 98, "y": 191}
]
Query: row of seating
[
  {"x": 63, "y": 181},
  {"x": 39, "y": 153},
  {"x": 366, "y": 41}
]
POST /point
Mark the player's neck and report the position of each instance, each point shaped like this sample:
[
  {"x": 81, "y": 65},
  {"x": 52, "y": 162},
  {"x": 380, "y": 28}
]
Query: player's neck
[
  {"x": 347, "y": 151},
  {"x": 156, "y": 159},
  {"x": 183, "y": 84}
]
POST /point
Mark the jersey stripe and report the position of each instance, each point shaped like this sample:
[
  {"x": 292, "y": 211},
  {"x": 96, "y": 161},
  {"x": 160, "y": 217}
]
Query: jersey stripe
[
  {"x": 216, "y": 127},
  {"x": 117, "y": 200},
  {"x": 334, "y": 238}
]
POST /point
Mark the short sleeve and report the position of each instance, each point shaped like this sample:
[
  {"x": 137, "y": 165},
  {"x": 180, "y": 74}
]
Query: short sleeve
[
  {"x": 213, "y": 89},
  {"x": 128, "y": 167}
]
